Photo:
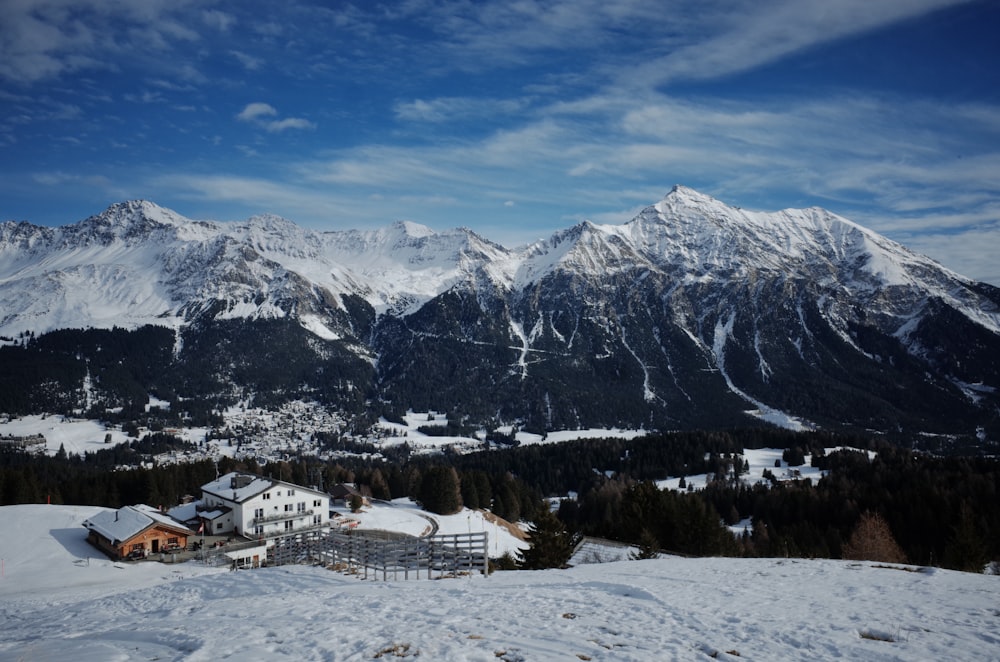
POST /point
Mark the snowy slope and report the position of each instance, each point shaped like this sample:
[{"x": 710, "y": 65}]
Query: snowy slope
[
  {"x": 693, "y": 314},
  {"x": 54, "y": 606},
  {"x": 137, "y": 263}
]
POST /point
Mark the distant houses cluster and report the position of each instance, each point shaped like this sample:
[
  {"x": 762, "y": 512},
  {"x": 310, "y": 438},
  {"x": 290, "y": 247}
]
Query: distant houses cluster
[
  {"x": 238, "y": 507},
  {"x": 31, "y": 442}
]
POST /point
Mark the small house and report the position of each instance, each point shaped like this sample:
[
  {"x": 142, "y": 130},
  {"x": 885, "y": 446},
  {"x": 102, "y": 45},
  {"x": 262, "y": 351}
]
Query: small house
[
  {"x": 134, "y": 532},
  {"x": 344, "y": 493}
]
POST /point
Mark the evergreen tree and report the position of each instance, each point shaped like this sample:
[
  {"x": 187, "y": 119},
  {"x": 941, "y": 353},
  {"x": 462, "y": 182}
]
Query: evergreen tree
[
  {"x": 440, "y": 491},
  {"x": 649, "y": 547},
  {"x": 966, "y": 549},
  {"x": 551, "y": 544}
]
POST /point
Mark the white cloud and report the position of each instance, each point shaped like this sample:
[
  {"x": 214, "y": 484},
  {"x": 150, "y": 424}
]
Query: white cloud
[
  {"x": 147, "y": 96},
  {"x": 257, "y": 111},
  {"x": 249, "y": 62},
  {"x": 448, "y": 109},
  {"x": 59, "y": 178},
  {"x": 254, "y": 111},
  {"x": 962, "y": 251},
  {"x": 218, "y": 19},
  {"x": 278, "y": 126},
  {"x": 748, "y": 36},
  {"x": 46, "y": 39}
]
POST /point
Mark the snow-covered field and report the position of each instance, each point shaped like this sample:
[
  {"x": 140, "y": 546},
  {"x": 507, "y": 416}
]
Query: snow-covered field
[
  {"x": 406, "y": 517},
  {"x": 398, "y": 433},
  {"x": 55, "y": 606},
  {"x": 76, "y": 436}
]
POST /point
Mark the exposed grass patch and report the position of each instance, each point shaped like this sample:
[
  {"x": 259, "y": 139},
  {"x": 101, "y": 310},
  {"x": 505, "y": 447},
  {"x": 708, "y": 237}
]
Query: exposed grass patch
[
  {"x": 395, "y": 650},
  {"x": 890, "y": 636},
  {"x": 898, "y": 567}
]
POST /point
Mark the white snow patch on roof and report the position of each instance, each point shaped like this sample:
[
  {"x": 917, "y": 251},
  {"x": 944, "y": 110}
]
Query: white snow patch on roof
[{"x": 223, "y": 487}]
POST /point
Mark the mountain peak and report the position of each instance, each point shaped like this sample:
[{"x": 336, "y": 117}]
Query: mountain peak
[
  {"x": 129, "y": 210},
  {"x": 684, "y": 196},
  {"x": 129, "y": 220},
  {"x": 413, "y": 230}
]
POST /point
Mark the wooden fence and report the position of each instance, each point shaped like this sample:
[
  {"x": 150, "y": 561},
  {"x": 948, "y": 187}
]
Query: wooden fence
[{"x": 384, "y": 557}]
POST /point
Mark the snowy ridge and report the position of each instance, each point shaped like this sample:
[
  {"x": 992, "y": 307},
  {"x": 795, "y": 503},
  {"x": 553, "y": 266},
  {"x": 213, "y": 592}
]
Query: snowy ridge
[{"x": 137, "y": 263}]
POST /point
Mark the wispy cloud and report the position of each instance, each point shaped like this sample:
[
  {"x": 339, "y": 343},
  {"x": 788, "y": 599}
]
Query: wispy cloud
[
  {"x": 278, "y": 126},
  {"x": 743, "y": 37},
  {"x": 448, "y": 109},
  {"x": 46, "y": 39},
  {"x": 249, "y": 62},
  {"x": 962, "y": 251},
  {"x": 219, "y": 20},
  {"x": 58, "y": 178},
  {"x": 257, "y": 112}
]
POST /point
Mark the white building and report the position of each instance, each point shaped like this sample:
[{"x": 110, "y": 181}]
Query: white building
[{"x": 256, "y": 507}]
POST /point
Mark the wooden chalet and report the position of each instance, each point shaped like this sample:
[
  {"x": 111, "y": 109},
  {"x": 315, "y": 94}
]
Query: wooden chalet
[{"x": 135, "y": 532}]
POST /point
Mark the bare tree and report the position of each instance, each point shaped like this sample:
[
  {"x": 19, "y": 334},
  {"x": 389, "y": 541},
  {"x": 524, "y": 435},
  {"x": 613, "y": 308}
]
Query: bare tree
[{"x": 872, "y": 540}]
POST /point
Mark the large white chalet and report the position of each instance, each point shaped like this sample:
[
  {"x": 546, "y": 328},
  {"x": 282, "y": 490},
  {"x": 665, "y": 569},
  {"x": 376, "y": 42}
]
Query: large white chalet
[{"x": 256, "y": 507}]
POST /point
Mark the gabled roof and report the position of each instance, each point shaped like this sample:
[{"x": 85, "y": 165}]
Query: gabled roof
[
  {"x": 237, "y": 487},
  {"x": 343, "y": 490},
  {"x": 128, "y": 522},
  {"x": 186, "y": 512},
  {"x": 214, "y": 513},
  {"x": 240, "y": 487}
]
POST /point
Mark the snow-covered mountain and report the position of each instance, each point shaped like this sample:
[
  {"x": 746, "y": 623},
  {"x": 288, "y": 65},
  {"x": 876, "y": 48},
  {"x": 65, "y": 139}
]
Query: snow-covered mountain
[
  {"x": 137, "y": 263},
  {"x": 694, "y": 313}
]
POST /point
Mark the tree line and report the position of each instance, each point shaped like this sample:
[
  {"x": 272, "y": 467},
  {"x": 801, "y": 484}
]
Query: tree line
[{"x": 936, "y": 510}]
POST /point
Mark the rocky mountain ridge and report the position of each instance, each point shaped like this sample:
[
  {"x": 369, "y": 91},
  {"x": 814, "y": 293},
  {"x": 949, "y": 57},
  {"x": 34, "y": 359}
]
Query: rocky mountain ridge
[{"x": 693, "y": 314}]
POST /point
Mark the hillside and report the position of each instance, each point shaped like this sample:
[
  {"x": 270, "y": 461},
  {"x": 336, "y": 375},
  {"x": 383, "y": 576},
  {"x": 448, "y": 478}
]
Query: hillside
[
  {"x": 694, "y": 314},
  {"x": 55, "y": 605}
]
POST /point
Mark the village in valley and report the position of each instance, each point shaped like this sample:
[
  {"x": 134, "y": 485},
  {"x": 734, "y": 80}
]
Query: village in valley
[{"x": 296, "y": 428}]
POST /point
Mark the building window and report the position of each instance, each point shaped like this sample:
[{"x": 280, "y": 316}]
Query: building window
[
  {"x": 288, "y": 525},
  {"x": 172, "y": 541},
  {"x": 277, "y": 493},
  {"x": 139, "y": 546},
  {"x": 267, "y": 495},
  {"x": 317, "y": 503},
  {"x": 317, "y": 519},
  {"x": 302, "y": 506},
  {"x": 258, "y": 530},
  {"x": 258, "y": 512},
  {"x": 289, "y": 507},
  {"x": 218, "y": 526},
  {"x": 291, "y": 492}
]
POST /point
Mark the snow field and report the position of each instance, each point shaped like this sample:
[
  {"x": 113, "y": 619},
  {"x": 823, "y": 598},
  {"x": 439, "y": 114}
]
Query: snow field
[
  {"x": 77, "y": 436},
  {"x": 670, "y": 608}
]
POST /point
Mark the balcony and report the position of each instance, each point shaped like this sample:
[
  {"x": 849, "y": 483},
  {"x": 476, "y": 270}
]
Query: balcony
[{"x": 281, "y": 517}]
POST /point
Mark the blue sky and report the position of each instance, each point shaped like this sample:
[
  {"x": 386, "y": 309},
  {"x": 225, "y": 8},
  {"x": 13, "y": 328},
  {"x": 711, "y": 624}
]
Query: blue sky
[{"x": 512, "y": 118}]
